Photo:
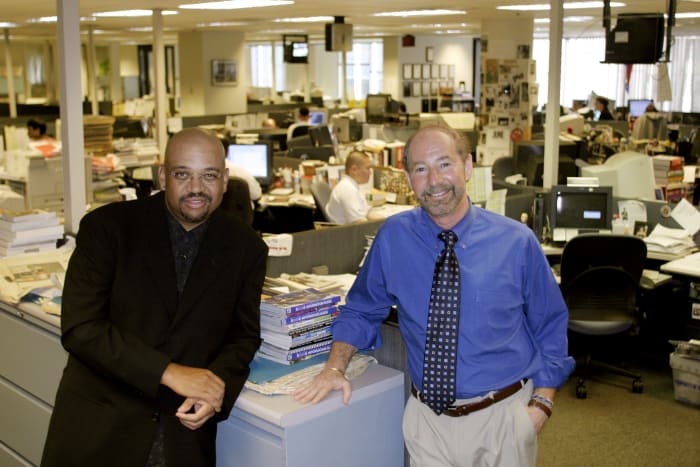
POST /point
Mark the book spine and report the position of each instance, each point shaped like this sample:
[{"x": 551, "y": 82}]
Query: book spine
[
  {"x": 302, "y": 317},
  {"x": 302, "y": 307},
  {"x": 315, "y": 349}
]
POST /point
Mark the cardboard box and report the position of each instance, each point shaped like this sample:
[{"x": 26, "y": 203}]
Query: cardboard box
[{"x": 686, "y": 378}]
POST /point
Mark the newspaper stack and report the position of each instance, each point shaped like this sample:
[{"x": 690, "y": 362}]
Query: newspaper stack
[
  {"x": 31, "y": 231},
  {"x": 296, "y": 325}
]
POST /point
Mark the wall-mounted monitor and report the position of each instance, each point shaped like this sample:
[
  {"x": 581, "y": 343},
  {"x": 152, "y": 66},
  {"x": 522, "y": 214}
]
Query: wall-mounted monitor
[
  {"x": 256, "y": 158},
  {"x": 296, "y": 48},
  {"x": 636, "y": 38}
]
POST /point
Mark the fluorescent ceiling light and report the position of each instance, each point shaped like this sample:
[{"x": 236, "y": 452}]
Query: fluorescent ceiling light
[
  {"x": 407, "y": 13},
  {"x": 130, "y": 13},
  {"x": 567, "y": 19},
  {"x": 687, "y": 15},
  {"x": 234, "y": 4},
  {"x": 221, "y": 24},
  {"x": 567, "y": 6},
  {"x": 53, "y": 19},
  {"x": 308, "y": 19},
  {"x": 4, "y": 24}
]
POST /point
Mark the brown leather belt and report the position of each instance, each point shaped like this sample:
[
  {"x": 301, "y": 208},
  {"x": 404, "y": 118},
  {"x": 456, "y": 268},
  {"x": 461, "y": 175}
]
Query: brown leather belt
[{"x": 466, "y": 409}]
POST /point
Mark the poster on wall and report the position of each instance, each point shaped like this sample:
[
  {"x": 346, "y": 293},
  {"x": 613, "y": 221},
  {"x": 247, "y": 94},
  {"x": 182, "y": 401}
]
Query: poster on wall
[{"x": 224, "y": 72}]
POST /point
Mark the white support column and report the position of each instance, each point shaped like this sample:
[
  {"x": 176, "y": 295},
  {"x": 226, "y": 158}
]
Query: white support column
[
  {"x": 10, "y": 75},
  {"x": 551, "y": 130},
  {"x": 273, "y": 86},
  {"x": 159, "y": 68},
  {"x": 70, "y": 96},
  {"x": 92, "y": 71},
  {"x": 344, "y": 72}
]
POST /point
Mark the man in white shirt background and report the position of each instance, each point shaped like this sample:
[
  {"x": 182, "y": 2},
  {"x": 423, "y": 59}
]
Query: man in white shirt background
[{"x": 347, "y": 203}]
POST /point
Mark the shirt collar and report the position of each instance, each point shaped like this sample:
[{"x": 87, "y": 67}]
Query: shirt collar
[{"x": 461, "y": 228}]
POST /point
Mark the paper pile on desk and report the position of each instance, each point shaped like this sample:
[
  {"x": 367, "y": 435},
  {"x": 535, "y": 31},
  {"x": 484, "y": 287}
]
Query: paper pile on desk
[{"x": 665, "y": 240}]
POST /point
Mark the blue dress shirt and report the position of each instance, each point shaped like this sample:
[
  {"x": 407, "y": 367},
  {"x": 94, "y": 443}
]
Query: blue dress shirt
[{"x": 513, "y": 318}]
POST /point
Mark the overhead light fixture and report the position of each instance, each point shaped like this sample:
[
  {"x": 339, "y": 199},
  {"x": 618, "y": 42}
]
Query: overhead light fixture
[
  {"x": 687, "y": 15},
  {"x": 308, "y": 19},
  {"x": 130, "y": 13},
  {"x": 4, "y": 24},
  {"x": 221, "y": 24},
  {"x": 567, "y": 6},
  {"x": 567, "y": 19},
  {"x": 410, "y": 13},
  {"x": 234, "y": 4},
  {"x": 54, "y": 19}
]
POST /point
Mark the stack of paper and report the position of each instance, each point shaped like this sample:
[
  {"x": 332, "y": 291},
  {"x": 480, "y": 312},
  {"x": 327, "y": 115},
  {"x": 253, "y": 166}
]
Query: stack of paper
[
  {"x": 665, "y": 240},
  {"x": 296, "y": 325},
  {"x": 28, "y": 232}
]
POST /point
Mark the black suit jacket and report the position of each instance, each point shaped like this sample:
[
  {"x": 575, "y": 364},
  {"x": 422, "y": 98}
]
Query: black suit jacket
[{"x": 123, "y": 322}]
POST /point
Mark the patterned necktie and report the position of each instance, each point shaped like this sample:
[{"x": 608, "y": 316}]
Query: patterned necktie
[{"x": 439, "y": 364}]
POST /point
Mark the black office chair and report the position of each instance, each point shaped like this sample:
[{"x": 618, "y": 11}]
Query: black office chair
[
  {"x": 321, "y": 192},
  {"x": 236, "y": 200},
  {"x": 600, "y": 277}
]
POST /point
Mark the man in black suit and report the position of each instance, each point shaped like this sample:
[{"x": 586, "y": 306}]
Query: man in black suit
[{"x": 160, "y": 320}]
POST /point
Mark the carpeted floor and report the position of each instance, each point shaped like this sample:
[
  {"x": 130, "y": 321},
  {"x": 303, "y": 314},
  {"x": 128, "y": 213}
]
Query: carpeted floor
[{"x": 615, "y": 427}]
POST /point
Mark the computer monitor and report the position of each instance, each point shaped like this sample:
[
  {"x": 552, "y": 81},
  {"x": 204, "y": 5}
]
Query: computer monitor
[
  {"x": 629, "y": 173},
  {"x": 317, "y": 117},
  {"x": 574, "y": 210},
  {"x": 376, "y": 107},
  {"x": 528, "y": 160},
  {"x": 320, "y": 153},
  {"x": 638, "y": 106},
  {"x": 256, "y": 158}
]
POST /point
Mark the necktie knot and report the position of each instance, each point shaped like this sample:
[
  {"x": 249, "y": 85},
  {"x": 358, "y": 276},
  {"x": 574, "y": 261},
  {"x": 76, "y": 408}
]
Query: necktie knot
[{"x": 449, "y": 237}]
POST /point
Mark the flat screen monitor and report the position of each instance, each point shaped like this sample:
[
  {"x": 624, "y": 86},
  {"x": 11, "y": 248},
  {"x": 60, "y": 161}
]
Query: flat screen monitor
[
  {"x": 577, "y": 209},
  {"x": 256, "y": 158},
  {"x": 376, "y": 107},
  {"x": 638, "y": 106},
  {"x": 629, "y": 173},
  {"x": 321, "y": 135},
  {"x": 317, "y": 117}
]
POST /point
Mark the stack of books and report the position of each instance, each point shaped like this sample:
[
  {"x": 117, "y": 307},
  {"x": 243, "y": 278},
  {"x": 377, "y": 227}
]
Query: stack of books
[
  {"x": 668, "y": 174},
  {"x": 296, "y": 325},
  {"x": 31, "y": 231}
]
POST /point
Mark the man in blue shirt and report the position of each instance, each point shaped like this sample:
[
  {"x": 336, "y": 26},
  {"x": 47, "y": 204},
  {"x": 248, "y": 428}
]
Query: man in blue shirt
[{"x": 511, "y": 345}]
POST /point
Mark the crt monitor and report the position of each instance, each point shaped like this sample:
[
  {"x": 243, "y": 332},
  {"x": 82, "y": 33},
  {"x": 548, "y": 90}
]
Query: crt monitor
[
  {"x": 580, "y": 209},
  {"x": 376, "y": 107},
  {"x": 256, "y": 158},
  {"x": 638, "y": 106},
  {"x": 629, "y": 173}
]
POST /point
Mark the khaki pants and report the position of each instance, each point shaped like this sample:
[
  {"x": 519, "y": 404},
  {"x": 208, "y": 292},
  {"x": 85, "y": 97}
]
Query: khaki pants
[{"x": 499, "y": 435}]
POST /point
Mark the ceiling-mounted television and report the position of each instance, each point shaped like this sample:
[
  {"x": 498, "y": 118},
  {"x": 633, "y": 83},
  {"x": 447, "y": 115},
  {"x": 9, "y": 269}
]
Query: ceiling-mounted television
[
  {"x": 636, "y": 38},
  {"x": 296, "y": 48}
]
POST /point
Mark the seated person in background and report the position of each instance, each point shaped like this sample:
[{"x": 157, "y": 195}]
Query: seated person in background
[
  {"x": 241, "y": 172},
  {"x": 36, "y": 130},
  {"x": 347, "y": 203},
  {"x": 650, "y": 125},
  {"x": 601, "y": 105},
  {"x": 269, "y": 123},
  {"x": 304, "y": 115}
]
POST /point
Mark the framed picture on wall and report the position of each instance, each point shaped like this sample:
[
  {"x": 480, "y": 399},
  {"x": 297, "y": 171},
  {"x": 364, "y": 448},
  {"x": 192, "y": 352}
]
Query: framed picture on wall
[
  {"x": 416, "y": 70},
  {"x": 407, "y": 71},
  {"x": 416, "y": 89},
  {"x": 224, "y": 73},
  {"x": 426, "y": 71}
]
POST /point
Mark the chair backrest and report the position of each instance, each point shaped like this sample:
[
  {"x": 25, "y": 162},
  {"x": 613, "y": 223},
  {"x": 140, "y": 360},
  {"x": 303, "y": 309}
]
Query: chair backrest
[
  {"x": 236, "y": 200},
  {"x": 600, "y": 276},
  {"x": 297, "y": 129},
  {"x": 321, "y": 192}
]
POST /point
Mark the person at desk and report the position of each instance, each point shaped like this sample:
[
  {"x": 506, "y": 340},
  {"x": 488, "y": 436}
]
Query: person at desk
[
  {"x": 160, "y": 320},
  {"x": 347, "y": 204},
  {"x": 601, "y": 105},
  {"x": 504, "y": 349},
  {"x": 304, "y": 115},
  {"x": 36, "y": 130},
  {"x": 650, "y": 125}
]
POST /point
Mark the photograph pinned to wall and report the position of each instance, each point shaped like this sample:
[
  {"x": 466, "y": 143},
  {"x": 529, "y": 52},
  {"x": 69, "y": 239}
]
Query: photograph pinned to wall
[
  {"x": 523, "y": 51},
  {"x": 224, "y": 72},
  {"x": 491, "y": 67},
  {"x": 524, "y": 94},
  {"x": 407, "y": 71},
  {"x": 641, "y": 229}
]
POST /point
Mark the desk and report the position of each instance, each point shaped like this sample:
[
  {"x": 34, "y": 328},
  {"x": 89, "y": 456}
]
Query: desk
[
  {"x": 276, "y": 431},
  {"x": 386, "y": 210},
  {"x": 285, "y": 214},
  {"x": 688, "y": 271},
  {"x": 550, "y": 250}
]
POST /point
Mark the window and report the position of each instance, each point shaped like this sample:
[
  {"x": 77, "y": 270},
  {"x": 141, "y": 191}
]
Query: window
[
  {"x": 260, "y": 65},
  {"x": 365, "y": 69}
]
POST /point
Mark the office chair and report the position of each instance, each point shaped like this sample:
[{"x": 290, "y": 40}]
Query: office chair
[
  {"x": 236, "y": 200},
  {"x": 600, "y": 277},
  {"x": 321, "y": 192},
  {"x": 297, "y": 129}
]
